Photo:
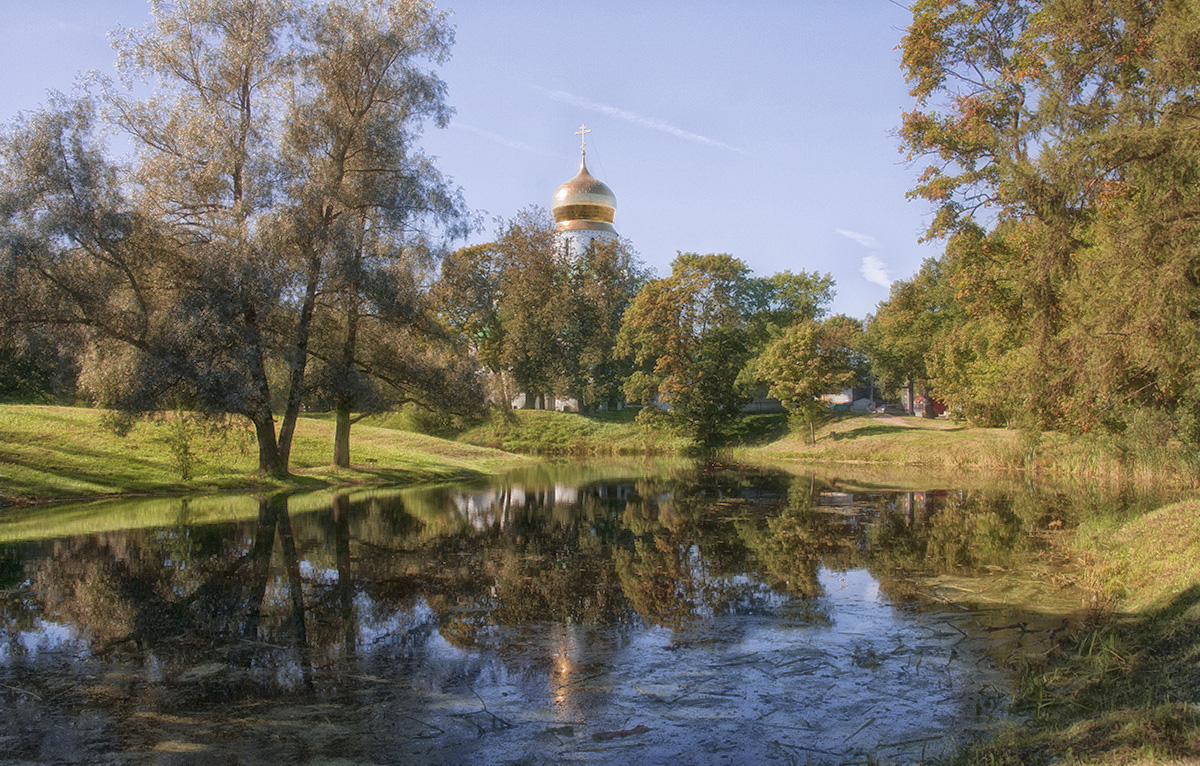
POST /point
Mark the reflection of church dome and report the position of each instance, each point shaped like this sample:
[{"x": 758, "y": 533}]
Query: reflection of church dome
[{"x": 584, "y": 202}]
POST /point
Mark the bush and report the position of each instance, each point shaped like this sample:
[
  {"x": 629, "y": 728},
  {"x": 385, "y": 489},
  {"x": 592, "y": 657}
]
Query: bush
[
  {"x": 652, "y": 417},
  {"x": 417, "y": 419}
]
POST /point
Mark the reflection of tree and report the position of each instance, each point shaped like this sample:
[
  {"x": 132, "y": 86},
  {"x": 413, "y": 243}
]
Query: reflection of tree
[
  {"x": 943, "y": 532},
  {"x": 685, "y": 560},
  {"x": 345, "y": 582},
  {"x": 566, "y": 576},
  {"x": 792, "y": 546},
  {"x": 789, "y": 550},
  {"x": 297, "y": 591},
  {"x": 666, "y": 584},
  {"x": 180, "y": 593}
]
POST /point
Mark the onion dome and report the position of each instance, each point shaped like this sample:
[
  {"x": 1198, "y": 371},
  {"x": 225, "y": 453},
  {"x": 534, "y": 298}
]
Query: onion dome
[{"x": 584, "y": 202}]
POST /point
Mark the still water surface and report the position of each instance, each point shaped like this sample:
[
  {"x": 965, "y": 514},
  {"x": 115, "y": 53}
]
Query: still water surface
[{"x": 678, "y": 613}]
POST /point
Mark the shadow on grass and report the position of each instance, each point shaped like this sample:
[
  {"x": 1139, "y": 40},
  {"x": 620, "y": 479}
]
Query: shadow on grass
[
  {"x": 863, "y": 431},
  {"x": 1124, "y": 691},
  {"x": 756, "y": 430}
]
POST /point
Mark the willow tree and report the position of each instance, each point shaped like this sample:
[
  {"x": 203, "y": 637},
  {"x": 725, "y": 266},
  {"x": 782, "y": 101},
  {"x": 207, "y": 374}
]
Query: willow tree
[
  {"x": 365, "y": 199},
  {"x": 276, "y": 139}
]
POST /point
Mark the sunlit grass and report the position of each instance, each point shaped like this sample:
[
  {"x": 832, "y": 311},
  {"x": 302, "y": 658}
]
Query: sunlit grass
[
  {"x": 1146, "y": 562},
  {"x": 877, "y": 439},
  {"x": 892, "y": 440},
  {"x": 68, "y": 452}
]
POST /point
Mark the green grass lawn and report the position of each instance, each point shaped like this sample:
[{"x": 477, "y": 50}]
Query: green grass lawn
[{"x": 49, "y": 453}]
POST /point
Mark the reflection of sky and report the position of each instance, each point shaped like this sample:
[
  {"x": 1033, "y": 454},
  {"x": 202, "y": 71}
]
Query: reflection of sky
[
  {"x": 376, "y": 629},
  {"x": 45, "y": 637},
  {"x": 310, "y": 573}
]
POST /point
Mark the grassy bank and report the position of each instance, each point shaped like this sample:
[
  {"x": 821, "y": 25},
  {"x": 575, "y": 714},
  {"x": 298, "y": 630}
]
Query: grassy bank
[
  {"x": 540, "y": 432},
  {"x": 1124, "y": 691},
  {"x": 889, "y": 440},
  {"x": 53, "y": 453}
]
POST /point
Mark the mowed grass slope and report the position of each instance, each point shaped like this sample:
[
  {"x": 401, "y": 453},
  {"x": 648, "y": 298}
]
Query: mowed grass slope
[
  {"x": 49, "y": 453},
  {"x": 542, "y": 432}
]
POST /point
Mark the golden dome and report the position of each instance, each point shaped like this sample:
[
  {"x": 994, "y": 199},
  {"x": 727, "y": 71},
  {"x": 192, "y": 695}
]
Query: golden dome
[{"x": 584, "y": 202}]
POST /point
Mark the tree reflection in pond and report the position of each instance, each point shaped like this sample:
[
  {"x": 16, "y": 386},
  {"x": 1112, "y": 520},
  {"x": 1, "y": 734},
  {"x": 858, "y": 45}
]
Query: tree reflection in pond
[{"x": 512, "y": 620}]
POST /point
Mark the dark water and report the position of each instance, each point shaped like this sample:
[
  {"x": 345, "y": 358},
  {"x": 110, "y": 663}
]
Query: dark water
[{"x": 680, "y": 614}]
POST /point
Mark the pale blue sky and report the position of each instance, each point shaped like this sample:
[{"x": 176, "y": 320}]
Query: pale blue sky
[{"x": 762, "y": 129}]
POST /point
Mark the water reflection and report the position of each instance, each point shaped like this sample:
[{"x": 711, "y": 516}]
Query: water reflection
[{"x": 692, "y": 612}]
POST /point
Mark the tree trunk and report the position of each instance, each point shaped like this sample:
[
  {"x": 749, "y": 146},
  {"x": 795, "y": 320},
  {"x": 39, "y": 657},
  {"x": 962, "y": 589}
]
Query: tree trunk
[
  {"x": 299, "y": 359},
  {"x": 270, "y": 461},
  {"x": 343, "y": 404},
  {"x": 928, "y": 411},
  {"x": 912, "y": 402},
  {"x": 341, "y": 434}
]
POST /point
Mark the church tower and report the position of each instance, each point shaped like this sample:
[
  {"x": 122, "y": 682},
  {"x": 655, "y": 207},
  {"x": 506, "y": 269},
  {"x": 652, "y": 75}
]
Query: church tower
[{"x": 583, "y": 207}]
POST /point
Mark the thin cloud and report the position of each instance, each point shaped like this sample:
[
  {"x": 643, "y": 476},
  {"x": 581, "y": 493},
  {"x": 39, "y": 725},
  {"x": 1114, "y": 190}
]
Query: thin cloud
[
  {"x": 638, "y": 119},
  {"x": 496, "y": 138},
  {"x": 866, "y": 240},
  {"x": 875, "y": 271}
]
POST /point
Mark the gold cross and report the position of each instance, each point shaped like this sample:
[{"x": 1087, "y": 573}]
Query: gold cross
[{"x": 582, "y": 133}]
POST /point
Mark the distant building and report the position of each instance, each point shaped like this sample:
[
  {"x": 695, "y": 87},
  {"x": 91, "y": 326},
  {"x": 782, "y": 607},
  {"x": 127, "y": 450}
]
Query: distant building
[{"x": 583, "y": 210}]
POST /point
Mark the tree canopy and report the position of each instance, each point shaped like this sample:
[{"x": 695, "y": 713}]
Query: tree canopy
[{"x": 1064, "y": 170}]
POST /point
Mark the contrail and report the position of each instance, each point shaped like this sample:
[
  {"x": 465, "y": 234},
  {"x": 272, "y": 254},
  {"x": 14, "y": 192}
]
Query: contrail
[
  {"x": 637, "y": 119},
  {"x": 502, "y": 140}
]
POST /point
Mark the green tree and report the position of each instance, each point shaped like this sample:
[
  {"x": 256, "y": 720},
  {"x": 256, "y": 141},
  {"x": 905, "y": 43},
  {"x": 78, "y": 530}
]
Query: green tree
[
  {"x": 811, "y": 359},
  {"x": 601, "y": 284},
  {"x": 688, "y": 335},
  {"x": 908, "y": 327},
  {"x": 1064, "y": 127},
  {"x": 548, "y": 319},
  {"x": 532, "y": 305},
  {"x": 466, "y": 299}
]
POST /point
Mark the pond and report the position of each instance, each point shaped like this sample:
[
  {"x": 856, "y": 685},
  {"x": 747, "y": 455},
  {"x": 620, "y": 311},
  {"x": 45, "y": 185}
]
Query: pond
[{"x": 625, "y": 613}]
